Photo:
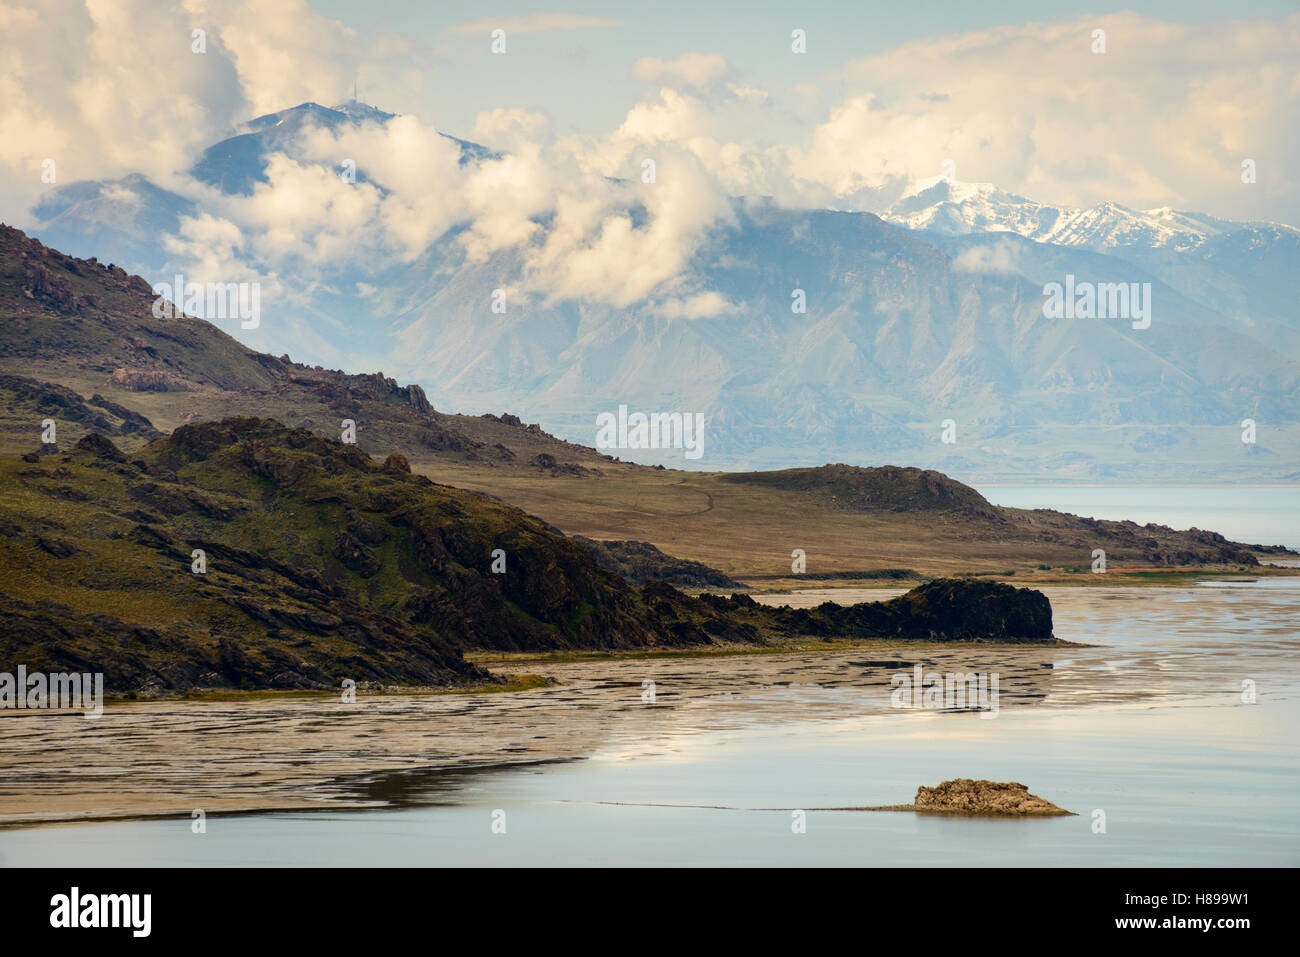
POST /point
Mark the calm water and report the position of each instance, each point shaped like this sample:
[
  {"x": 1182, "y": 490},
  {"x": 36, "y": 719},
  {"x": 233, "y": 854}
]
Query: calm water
[
  {"x": 1267, "y": 515},
  {"x": 1150, "y": 729}
]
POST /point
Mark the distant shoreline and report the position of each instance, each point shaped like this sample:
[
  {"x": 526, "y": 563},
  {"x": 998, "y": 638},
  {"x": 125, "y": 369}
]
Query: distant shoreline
[{"x": 975, "y": 483}]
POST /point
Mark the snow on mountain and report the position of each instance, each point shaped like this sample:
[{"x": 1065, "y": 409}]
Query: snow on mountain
[{"x": 956, "y": 208}]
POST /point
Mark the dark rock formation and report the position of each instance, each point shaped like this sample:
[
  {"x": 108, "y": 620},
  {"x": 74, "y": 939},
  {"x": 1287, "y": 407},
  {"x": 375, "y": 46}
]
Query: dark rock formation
[
  {"x": 947, "y": 609},
  {"x": 549, "y": 463},
  {"x": 96, "y": 443},
  {"x": 397, "y": 464},
  {"x": 67, "y": 407},
  {"x": 641, "y": 562}
]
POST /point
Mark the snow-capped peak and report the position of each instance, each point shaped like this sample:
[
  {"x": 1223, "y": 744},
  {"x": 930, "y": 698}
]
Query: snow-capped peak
[
  {"x": 951, "y": 206},
  {"x": 955, "y": 208}
]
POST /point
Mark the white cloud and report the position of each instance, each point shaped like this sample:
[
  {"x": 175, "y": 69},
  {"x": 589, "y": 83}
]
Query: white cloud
[
  {"x": 532, "y": 23},
  {"x": 570, "y": 232},
  {"x": 120, "y": 194},
  {"x": 284, "y": 51},
  {"x": 1000, "y": 257},
  {"x": 510, "y": 129},
  {"x": 704, "y": 305},
  {"x": 689, "y": 69},
  {"x": 68, "y": 93}
]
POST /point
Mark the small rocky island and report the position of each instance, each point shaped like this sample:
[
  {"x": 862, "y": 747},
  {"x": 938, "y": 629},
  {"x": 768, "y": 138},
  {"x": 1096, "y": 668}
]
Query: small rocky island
[{"x": 963, "y": 796}]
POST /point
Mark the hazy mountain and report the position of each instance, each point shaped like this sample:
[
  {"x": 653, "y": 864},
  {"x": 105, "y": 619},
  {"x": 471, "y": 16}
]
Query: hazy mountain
[
  {"x": 237, "y": 164},
  {"x": 123, "y": 221},
  {"x": 933, "y": 312},
  {"x": 900, "y": 334},
  {"x": 126, "y": 221},
  {"x": 1249, "y": 273}
]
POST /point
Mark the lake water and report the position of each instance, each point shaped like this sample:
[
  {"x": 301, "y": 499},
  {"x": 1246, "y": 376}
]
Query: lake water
[
  {"x": 1255, "y": 515},
  {"x": 1148, "y": 728}
]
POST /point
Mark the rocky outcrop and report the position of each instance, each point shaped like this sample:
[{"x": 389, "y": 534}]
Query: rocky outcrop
[
  {"x": 132, "y": 422},
  {"x": 96, "y": 443},
  {"x": 963, "y": 796},
  {"x": 641, "y": 562},
  {"x": 440, "y": 439},
  {"x": 22, "y": 396},
  {"x": 148, "y": 380},
  {"x": 946, "y": 609},
  {"x": 549, "y": 463},
  {"x": 959, "y": 609}
]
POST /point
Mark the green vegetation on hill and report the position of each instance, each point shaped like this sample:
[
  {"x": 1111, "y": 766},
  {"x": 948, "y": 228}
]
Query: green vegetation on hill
[{"x": 322, "y": 564}]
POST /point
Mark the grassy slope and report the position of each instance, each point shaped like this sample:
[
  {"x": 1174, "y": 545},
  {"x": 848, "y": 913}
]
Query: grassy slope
[{"x": 749, "y": 530}]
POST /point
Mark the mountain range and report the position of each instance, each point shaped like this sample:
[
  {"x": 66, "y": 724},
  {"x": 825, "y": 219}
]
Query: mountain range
[{"x": 928, "y": 314}]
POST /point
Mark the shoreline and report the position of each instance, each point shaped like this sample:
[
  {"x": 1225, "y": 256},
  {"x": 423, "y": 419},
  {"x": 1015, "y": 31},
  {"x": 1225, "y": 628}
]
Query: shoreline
[
  {"x": 164, "y": 758},
  {"x": 255, "y": 752}
]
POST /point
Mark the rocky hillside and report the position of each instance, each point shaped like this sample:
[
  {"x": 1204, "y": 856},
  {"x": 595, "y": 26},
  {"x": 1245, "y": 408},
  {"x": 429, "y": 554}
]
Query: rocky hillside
[
  {"x": 90, "y": 327},
  {"x": 641, "y": 562}
]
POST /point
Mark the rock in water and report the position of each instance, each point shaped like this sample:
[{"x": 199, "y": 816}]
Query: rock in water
[{"x": 964, "y": 796}]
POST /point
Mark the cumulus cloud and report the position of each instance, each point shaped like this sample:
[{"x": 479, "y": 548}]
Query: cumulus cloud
[
  {"x": 568, "y": 232},
  {"x": 106, "y": 87},
  {"x": 599, "y": 251},
  {"x": 510, "y": 128},
  {"x": 284, "y": 52},
  {"x": 573, "y": 230},
  {"x": 211, "y": 245},
  {"x": 69, "y": 94},
  {"x": 717, "y": 128}
]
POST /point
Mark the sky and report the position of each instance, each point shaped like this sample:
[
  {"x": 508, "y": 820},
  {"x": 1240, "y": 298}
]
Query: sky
[
  {"x": 582, "y": 75},
  {"x": 1065, "y": 104}
]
